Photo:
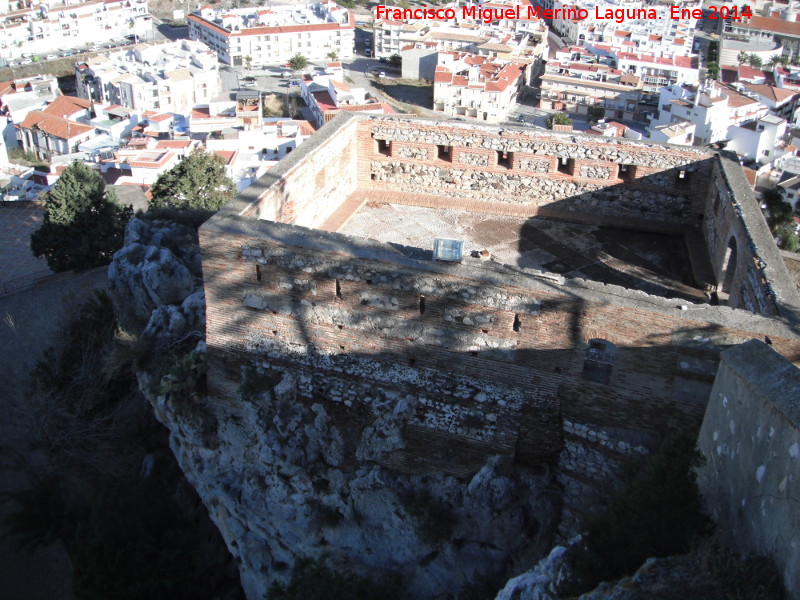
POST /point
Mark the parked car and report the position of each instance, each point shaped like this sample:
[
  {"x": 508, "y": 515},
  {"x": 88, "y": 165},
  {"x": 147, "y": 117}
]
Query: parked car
[
  {"x": 26, "y": 61},
  {"x": 381, "y": 75},
  {"x": 50, "y": 57},
  {"x": 294, "y": 82},
  {"x": 248, "y": 84}
]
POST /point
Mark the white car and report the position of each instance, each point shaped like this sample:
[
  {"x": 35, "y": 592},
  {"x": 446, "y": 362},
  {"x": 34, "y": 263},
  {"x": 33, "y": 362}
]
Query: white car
[
  {"x": 381, "y": 75},
  {"x": 50, "y": 57}
]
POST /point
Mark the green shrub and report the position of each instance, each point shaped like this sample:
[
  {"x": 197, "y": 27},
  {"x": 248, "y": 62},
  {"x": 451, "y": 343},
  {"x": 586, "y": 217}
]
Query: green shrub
[
  {"x": 657, "y": 513},
  {"x": 317, "y": 580}
]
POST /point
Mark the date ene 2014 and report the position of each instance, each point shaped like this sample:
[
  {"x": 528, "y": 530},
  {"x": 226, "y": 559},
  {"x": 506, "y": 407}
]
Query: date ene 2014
[{"x": 714, "y": 12}]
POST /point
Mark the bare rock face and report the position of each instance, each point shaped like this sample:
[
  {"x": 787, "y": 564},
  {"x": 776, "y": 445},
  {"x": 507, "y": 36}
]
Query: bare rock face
[
  {"x": 271, "y": 473},
  {"x": 156, "y": 279},
  {"x": 541, "y": 582},
  {"x": 283, "y": 480}
]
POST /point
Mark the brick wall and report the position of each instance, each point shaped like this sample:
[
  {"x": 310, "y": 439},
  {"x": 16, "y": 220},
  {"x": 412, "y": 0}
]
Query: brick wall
[{"x": 493, "y": 361}]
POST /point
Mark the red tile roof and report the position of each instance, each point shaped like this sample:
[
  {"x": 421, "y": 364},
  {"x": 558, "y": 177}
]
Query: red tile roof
[
  {"x": 772, "y": 24},
  {"x": 66, "y": 105},
  {"x": 229, "y": 156},
  {"x": 53, "y": 125},
  {"x": 771, "y": 92}
]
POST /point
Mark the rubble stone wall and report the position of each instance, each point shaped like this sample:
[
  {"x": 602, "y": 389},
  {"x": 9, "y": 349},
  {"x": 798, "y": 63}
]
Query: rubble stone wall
[{"x": 563, "y": 173}]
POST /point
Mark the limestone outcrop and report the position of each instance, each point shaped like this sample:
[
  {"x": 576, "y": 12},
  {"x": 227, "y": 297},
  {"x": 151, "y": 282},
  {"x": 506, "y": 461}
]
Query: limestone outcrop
[
  {"x": 283, "y": 478},
  {"x": 156, "y": 281}
]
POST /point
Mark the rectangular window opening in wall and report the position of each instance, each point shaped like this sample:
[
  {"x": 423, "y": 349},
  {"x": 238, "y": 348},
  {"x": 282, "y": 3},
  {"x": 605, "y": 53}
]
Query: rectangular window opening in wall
[
  {"x": 422, "y": 305},
  {"x": 444, "y": 153},
  {"x": 505, "y": 159},
  {"x": 565, "y": 165},
  {"x": 517, "y": 323},
  {"x": 412, "y": 361},
  {"x": 258, "y": 272},
  {"x": 683, "y": 179},
  {"x": 384, "y": 147},
  {"x": 373, "y": 177},
  {"x": 627, "y": 173}
]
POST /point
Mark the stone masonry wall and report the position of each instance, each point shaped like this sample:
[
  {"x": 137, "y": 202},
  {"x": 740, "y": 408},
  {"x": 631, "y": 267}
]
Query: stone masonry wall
[
  {"x": 513, "y": 351},
  {"x": 569, "y": 175},
  {"x": 751, "y": 441},
  {"x": 747, "y": 266}
]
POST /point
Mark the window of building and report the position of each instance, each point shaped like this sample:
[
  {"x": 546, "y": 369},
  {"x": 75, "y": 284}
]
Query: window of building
[{"x": 444, "y": 153}]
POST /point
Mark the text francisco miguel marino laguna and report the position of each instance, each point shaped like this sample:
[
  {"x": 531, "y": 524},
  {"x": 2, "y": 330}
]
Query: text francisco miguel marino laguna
[{"x": 619, "y": 15}]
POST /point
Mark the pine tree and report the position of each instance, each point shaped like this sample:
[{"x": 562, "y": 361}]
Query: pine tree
[
  {"x": 83, "y": 222},
  {"x": 197, "y": 182}
]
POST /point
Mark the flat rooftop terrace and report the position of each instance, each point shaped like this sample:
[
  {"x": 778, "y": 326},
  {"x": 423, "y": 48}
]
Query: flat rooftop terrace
[{"x": 655, "y": 263}]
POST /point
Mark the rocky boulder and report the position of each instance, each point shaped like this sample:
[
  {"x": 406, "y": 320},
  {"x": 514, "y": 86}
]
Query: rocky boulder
[{"x": 156, "y": 281}]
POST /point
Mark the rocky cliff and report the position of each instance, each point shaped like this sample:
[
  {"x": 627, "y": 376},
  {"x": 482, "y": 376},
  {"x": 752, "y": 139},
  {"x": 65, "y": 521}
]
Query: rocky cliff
[{"x": 269, "y": 468}]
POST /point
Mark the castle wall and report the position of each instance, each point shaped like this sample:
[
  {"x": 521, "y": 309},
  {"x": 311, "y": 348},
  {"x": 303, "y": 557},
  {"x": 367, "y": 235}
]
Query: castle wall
[
  {"x": 748, "y": 269},
  {"x": 307, "y": 192},
  {"x": 357, "y": 359},
  {"x": 576, "y": 177},
  {"x": 751, "y": 441},
  {"x": 493, "y": 359}
]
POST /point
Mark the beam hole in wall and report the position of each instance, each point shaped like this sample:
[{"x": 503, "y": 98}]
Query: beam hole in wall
[
  {"x": 384, "y": 147},
  {"x": 258, "y": 272},
  {"x": 422, "y": 305},
  {"x": 566, "y": 165},
  {"x": 444, "y": 153},
  {"x": 627, "y": 173},
  {"x": 412, "y": 361},
  {"x": 473, "y": 353},
  {"x": 484, "y": 330},
  {"x": 517, "y": 323},
  {"x": 505, "y": 159},
  {"x": 683, "y": 179},
  {"x": 274, "y": 332},
  {"x": 368, "y": 281}
]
